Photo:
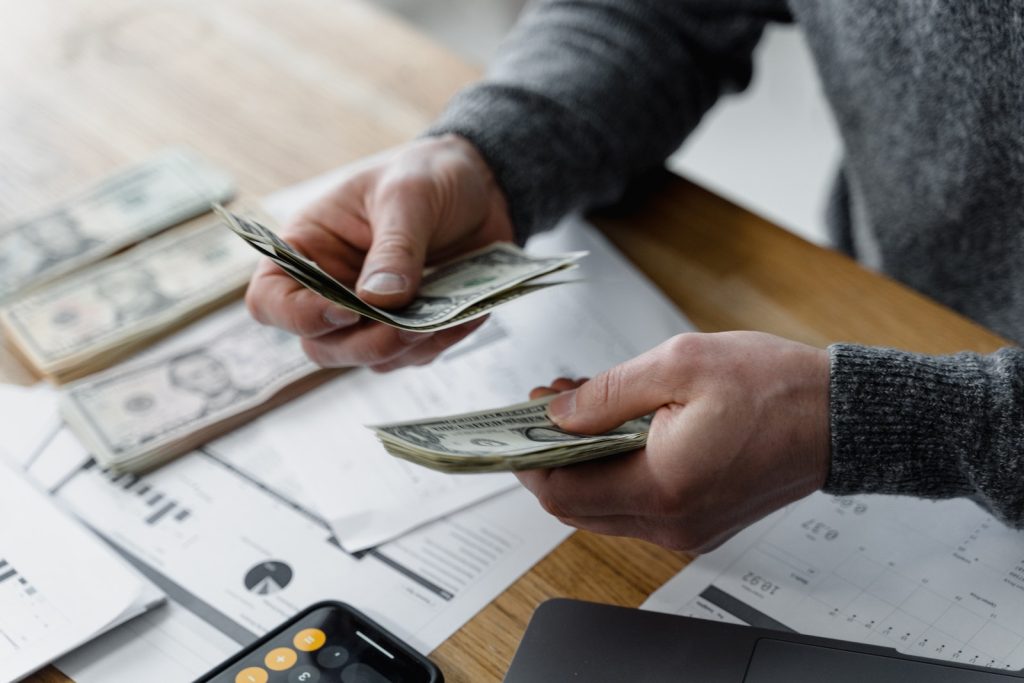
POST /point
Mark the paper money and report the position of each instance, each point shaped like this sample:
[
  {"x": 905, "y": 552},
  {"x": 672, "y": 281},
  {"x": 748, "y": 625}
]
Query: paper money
[
  {"x": 91, "y": 318},
  {"x": 515, "y": 437},
  {"x": 450, "y": 294},
  {"x": 139, "y": 414},
  {"x": 122, "y": 209}
]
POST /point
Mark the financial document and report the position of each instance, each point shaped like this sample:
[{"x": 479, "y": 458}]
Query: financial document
[
  {"x": 612, "y": 314},
  {"x": 237, "y": 549},
  {"x": 45, "y": 609},
  {"x": 932, "y": 579}
]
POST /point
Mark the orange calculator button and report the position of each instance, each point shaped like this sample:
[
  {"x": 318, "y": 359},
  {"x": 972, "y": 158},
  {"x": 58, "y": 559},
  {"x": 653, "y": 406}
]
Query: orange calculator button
[
  {"x": 310, "y": 639},
  {"x": 280, "y": 658},
  {"x": 253, "y": 674}
]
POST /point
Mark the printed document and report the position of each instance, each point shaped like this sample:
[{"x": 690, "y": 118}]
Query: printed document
[
  {"x": 931, "y": 579},
  {"x": 237, "y": 550},
  {"x": 46, "y": 607}
]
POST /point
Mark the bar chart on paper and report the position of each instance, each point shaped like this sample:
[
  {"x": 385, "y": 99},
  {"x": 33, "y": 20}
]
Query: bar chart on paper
[
  {"x": 942, "y": 580},
  {"x": 153, "y": 504}
]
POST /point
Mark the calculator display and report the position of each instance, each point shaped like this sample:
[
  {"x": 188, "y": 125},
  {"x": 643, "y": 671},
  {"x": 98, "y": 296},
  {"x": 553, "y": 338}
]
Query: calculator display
[{"x": 329, "y": 643}]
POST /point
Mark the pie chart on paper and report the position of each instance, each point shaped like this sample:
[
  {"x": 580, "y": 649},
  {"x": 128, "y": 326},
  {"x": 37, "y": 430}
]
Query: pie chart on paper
[{"x": 268, "y": 577}]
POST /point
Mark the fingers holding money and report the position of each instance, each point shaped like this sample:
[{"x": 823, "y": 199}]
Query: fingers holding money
[
  {"x": 618, "y": 485},
  {"x": 381, "y": 347},
  {"x": 438, "y": 343},
  {"x": 558, "y": 386},
  {"x": 274, "y": 298}
]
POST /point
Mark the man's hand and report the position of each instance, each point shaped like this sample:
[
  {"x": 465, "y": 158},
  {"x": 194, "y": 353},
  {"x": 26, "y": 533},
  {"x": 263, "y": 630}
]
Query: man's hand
[
  {"x": 741, "y": 428},
  {"x": 426, "y": 202}
]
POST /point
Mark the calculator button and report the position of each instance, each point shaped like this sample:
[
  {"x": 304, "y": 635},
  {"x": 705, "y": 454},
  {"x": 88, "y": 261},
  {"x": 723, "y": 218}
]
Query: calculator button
[
  {"x": 309, "y": 639},
  {"x": 280, "y": 658},
  {"x": 253, "y": 674},
  {"x": 332, "y": 657},
  {"x": 304, "y": 674}
]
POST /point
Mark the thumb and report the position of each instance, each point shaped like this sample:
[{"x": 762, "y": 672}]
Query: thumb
[
  {"x": 391, "y": 272},
  {"x": 625, "y": 392}
]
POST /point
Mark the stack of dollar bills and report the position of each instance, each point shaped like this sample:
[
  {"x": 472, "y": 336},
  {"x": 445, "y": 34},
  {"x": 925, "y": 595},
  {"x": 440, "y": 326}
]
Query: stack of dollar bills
[
  {"x": 141, "y": 413},
  {"x": 516, "y": 437},
  {"x": 68, "y": 312},
  {"x": 123, "y": 209},
  {"x": 453, "y": 293},
  {"x": 86, "y": 321}
]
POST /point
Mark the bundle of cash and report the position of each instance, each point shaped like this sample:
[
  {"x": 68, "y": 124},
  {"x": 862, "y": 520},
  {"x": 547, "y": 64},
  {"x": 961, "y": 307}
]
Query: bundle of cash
[
  {"x": 86, "y": 321},
  {"x": 453, "y": 293},
  {"x": 123, "y": 209},
  {"x": 139, "y": 414},
  {"x": 516, "y": 437}
]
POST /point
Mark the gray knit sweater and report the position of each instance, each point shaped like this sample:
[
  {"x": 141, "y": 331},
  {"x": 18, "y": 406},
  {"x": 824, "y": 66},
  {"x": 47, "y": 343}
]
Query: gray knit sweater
[{"x": 929, "y": 96}]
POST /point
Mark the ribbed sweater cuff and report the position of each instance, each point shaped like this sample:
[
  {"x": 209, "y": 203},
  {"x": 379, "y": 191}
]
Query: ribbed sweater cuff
[{"x": 905, "y": 423}]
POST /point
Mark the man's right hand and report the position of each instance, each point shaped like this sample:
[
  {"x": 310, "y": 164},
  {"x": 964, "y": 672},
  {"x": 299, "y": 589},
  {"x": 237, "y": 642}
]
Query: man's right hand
[{"x": 425, "y": 202}]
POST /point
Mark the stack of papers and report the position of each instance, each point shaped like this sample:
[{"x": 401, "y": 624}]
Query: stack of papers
[
  {"x": 47, "y": 609},
  {"x": 304, "y": 504}
]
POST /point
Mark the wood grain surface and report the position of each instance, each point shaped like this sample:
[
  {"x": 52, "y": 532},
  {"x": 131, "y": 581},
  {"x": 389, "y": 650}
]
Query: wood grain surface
[{"x": 277, "y": 92}]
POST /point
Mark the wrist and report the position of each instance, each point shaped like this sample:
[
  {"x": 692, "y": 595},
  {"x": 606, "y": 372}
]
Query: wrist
[{"x": 500, "y": 222}]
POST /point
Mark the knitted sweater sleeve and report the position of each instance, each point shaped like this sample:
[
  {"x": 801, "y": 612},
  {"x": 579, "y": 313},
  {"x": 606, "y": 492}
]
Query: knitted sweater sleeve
[
  {"x": 931, "y": 426},
  {"x": 586, "y": 93}
]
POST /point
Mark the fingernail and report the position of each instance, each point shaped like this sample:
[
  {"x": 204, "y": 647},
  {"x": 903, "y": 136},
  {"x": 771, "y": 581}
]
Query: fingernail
[
  {"x": 410, "y": 337},
  {"x": 340, "y": 317},
  {"x": 385, "y": 283},
  {"x": 563, "y": 406}
]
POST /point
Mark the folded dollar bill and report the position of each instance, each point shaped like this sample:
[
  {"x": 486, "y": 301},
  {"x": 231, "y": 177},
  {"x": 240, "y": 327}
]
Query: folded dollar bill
[
  {"x": 89, "y": 319},
  {"x": 125, "y": 208},
  {"x": 139, "y": 414},
  {"x": 455, "y": 292},
  {"x": 516, "y": 437}
]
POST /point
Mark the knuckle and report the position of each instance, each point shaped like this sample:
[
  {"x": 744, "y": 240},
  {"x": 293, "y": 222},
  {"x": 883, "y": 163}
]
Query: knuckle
[
  {"x": 316, "y": 353},
  {"x": 683, "y": 346},
  {"x": 551, "y": 505},
  {"x": 684, "y": 540},
  {"x": 395, "y": 245},
  {"x": 254, "y": 304},
  {"x": 306, "y": 323},
  {"x": 381, "y": 352},
  {"x": 676, "y": 500},
  {"x": 402, "y": 181},
  {"x": 606, "y": 388}
]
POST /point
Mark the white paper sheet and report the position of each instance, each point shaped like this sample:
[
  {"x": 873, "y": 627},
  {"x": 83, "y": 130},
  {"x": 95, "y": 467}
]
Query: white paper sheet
[
  {"x": 237, "y": 551},
  {"x": 27, "y": 414},
  {"x": 45, "y": 609},
  {"x": 932, "y": 579},
  {"x": 613, "y": 314}
]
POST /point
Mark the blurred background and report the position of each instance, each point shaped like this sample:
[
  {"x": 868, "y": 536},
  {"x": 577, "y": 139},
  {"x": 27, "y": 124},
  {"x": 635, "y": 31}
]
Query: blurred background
[{"x": 773, "y": 149}]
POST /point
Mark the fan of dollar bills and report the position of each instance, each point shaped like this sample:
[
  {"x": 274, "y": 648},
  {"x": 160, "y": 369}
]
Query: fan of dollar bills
[
  {"x": 516, "y": 437},
  {"x": 453, "y": 293}
]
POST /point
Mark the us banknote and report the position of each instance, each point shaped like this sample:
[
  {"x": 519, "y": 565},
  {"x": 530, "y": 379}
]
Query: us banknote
[
  {"x": 514, "y": 437},
  {"x": 125, "y": 208},
  {"x": 136, "y": 415},
  {"x": 450, "y": 294},
  {"x": 89, "y": 319}
]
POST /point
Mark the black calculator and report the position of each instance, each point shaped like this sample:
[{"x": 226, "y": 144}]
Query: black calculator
[{"x": 329, "y": 642}]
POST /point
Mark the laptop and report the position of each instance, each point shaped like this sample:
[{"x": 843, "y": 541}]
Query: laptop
[{"x": 569, "y": 640}]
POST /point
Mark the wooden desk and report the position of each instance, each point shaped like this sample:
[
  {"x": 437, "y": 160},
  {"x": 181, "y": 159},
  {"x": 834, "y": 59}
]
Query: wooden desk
[{"x": 279, "y": 91}]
